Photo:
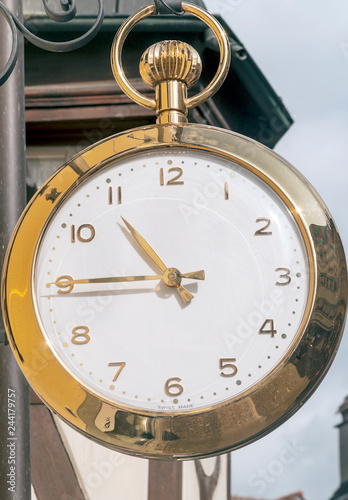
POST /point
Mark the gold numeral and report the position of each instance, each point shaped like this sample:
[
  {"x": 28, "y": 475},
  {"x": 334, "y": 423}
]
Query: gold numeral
[
  {"x": 175, "y": 180},
  {"x": 228, "y": 365},
  {"x": 111, "y": 195},
  {"x": 262, "y": 231},
  {"x": 171, "y": 388},
  {"x": 268, "y": 328},
  {"x": 227, "y": 190},
  {"x": 119, "y": 195},
  {"x": 82, "y": 334},
  {"x": 84, "y": 233},
  {"x": 121, "y": 365},
  {"x": 286, "y": 276},
  {"x": 64, "y": 282}
]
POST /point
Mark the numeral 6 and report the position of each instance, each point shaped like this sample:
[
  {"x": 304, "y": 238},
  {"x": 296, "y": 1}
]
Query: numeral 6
[{"x": 171, "y": 388}]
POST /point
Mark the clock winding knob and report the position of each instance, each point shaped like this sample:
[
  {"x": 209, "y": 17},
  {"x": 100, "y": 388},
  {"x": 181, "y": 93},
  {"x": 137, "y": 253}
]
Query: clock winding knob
[
  {"x": 170, "y": 60},
  {"x": 170, "y": 67}
]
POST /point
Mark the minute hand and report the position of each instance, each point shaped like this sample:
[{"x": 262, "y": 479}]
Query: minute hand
[{"x": 67, "y": 283}]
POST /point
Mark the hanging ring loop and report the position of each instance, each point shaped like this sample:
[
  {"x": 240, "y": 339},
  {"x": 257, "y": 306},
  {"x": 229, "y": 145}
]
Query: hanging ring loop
[{"x": 207, "y": 92}]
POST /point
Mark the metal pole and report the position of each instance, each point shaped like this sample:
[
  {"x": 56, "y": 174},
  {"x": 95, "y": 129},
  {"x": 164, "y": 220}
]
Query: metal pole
[{"x": 14, "y": 392}]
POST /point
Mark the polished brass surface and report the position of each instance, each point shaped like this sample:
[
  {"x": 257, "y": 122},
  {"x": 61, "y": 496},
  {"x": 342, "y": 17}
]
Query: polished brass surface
[
  {"x": 172, "y": 277},
  {"x": 214, "y": 85},
  {"x": 197, "y": 432},
  {"x": 171, "y": 99},
  {"x": 170, "y": 67},
  {"x": 170, "y": 60}
]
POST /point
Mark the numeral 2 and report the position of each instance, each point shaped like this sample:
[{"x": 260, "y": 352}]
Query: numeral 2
[{"x": 262, "y": 231}]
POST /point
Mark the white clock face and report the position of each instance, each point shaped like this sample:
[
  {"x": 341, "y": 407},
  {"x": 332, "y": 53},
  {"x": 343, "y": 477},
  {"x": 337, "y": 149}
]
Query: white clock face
[{"x": 137, "y": 342}]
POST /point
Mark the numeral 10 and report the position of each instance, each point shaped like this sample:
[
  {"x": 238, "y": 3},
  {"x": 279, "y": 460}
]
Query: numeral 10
[{"x": 84, "y": 233}]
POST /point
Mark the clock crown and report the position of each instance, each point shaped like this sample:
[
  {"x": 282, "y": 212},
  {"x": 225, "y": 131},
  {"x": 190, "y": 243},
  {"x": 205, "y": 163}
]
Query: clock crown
[
  {"x": 170, "y": 67},
  {"x": 170, "y": 60}
]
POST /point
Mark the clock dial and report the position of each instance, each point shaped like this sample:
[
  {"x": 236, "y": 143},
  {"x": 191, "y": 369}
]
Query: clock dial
[
  {"x": 103, "y": 293},
  {"x": 181, "y": 293}
]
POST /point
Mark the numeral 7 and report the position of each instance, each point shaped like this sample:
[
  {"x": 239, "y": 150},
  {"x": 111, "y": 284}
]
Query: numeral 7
[{"x": 121, "y": 365}]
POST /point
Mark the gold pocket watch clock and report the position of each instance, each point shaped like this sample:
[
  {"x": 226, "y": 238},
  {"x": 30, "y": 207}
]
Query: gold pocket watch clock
[{"x": 175, "y": 291}]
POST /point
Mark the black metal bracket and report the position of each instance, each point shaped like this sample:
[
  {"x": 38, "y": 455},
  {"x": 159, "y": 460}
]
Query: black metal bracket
[
  {"x": 68, "y": 12},
  {"x": 169, "y": 7}
]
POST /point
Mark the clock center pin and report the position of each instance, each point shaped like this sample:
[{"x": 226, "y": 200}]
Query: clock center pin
[{"x": 172, "y": 277}]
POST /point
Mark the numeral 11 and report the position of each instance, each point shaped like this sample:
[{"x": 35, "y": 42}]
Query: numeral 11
[{"x": 111, "y": 195}]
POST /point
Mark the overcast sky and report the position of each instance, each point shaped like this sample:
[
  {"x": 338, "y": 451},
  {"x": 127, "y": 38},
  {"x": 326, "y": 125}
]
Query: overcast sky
[{"x": 301, "y": 46}]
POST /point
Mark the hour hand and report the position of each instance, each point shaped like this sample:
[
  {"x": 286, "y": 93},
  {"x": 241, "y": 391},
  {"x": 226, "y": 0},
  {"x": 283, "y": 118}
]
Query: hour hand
[
  {"x": 184, "y": 294},
  {"x": 145, "y": 246}
]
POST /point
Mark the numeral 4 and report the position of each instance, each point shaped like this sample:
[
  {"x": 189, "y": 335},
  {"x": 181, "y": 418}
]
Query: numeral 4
[{"x": 268, "y": 328}]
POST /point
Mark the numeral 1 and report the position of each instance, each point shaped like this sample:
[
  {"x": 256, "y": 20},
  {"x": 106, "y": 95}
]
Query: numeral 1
[{"x": 227, "y": 190}]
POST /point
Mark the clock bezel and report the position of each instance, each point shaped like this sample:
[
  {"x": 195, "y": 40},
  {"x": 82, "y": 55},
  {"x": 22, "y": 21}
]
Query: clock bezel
[{"x": 201, "y": 432}]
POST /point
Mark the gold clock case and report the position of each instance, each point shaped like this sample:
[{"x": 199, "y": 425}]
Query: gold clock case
[{"x": 214, "y": 429}]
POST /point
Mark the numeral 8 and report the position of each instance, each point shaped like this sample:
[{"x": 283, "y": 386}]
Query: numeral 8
[{"x": 80, "y": 334}]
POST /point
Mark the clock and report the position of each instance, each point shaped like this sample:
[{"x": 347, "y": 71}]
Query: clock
[{"x": 175, "y": 291}]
